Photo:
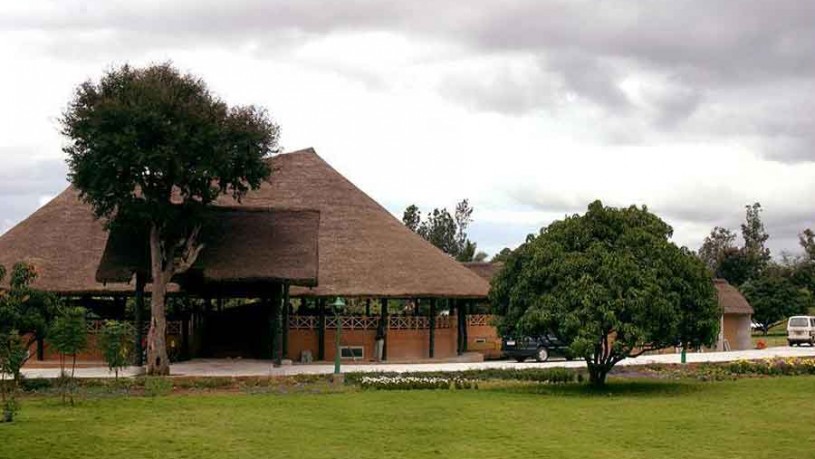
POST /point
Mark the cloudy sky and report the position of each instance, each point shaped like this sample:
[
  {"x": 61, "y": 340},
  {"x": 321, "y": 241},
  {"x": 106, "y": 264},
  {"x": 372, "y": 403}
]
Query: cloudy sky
[{"x": 530, "y": 109}]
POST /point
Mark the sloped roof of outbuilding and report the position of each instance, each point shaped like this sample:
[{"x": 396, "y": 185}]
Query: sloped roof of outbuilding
[
  {"x": 730, "y": 298},
  {"x": 484, "y": 269}
]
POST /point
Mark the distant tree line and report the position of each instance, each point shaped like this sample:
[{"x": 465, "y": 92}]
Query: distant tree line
[
  {"x": 446, "y": 231},
  {"x": 775, "y": 288}
]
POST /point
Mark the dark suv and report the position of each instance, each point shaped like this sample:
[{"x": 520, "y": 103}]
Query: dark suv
[{"x": 541, "y": 348}]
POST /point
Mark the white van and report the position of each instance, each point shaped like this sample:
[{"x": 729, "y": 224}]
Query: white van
[{"x": 801, "y": 329}]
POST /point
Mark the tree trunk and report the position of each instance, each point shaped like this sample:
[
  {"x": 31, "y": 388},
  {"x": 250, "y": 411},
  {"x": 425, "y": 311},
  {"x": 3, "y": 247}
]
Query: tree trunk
[
  {"x": 597, "y": 375},
  {"x": 138, "y": 312},
  {"x": 158, "y": 364}
]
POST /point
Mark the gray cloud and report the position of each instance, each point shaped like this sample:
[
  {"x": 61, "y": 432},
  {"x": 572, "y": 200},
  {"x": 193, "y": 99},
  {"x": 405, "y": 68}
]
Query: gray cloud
[
  {"x": 590, "y": 47},
  {"x": 23, "y": 184}
]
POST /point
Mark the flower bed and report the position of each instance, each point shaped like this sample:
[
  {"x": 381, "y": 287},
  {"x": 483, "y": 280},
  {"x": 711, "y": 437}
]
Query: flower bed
[
  {"x": 542, "y": 375},
  {"x": 788, "y": 366},
  {"x": 791, "y": 366},
  {"x": 415, "y": 383}
]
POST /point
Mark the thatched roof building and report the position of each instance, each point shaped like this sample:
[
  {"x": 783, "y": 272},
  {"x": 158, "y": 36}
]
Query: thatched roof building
[{"x": 362, "y": 249}]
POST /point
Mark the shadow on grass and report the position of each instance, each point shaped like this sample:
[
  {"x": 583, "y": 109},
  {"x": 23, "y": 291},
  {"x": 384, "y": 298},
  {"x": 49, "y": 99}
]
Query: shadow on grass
[{"x": 613, "y": 388}]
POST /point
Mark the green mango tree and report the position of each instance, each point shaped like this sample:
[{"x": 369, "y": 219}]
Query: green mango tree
[{"x": 610, "y": 284}]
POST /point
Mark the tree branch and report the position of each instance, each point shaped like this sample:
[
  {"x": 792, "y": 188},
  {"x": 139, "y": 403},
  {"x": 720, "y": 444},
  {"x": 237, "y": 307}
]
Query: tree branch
[
  {"x": 189, "y": 253},
  {"x": 642, "y": 351}
]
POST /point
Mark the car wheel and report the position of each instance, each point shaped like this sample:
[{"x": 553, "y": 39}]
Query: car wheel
[
  {"x": 542, "y": 355},
  {"x": 520, "y": 359},
  {"x": 789, "y": 343}
]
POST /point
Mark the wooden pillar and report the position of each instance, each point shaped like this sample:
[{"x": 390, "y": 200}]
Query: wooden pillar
[
  {"x": 385, "y": 321},
  {"x": 121, "y": 309},
  {"x": 138, "y": 310},
  {"x": 206, "y": 317},
  {"x": 465, "y": 306},
  {"x": 195, "y": 318},
  {"x": 460, "y": 324},
  {"x": 185, "y": 334},
  {"x": 320, "y": 328},
  {"x": 40, "y": 348},
  {"x": 275, "y": 324},
  {"x": 368, "y": 307},
  {"x": 285, "y": 324},
  {"x": 432, "y": 328}
]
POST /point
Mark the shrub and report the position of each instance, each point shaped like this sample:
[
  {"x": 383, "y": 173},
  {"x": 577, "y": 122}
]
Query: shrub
[
  {"x": 116, "y": 341},
  {"x": 35, "y": 384},
  {"x": 9, "y": 408},
  {"x": 69, "y": 337},
  {"x": 13, "y": 355}
]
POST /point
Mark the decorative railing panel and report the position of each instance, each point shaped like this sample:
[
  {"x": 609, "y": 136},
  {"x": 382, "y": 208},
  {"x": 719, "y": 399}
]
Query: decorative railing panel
[
  {"x": 352, "y": 322},
  {"x": 370, "y": 322},
  {"x": 302, "y": 322},
  {"x": 479, "y": 320}
]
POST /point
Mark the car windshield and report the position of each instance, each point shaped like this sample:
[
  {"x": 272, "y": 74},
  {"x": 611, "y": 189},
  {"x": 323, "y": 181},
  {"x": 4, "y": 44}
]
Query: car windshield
[{"x": 798, "y": 322}]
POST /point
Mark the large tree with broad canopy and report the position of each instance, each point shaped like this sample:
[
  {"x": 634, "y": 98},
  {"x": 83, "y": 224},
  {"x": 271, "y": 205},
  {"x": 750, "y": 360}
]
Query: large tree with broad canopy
[
  {"x": 152, "y": 146},
  {"x": 610, "y": 284}
]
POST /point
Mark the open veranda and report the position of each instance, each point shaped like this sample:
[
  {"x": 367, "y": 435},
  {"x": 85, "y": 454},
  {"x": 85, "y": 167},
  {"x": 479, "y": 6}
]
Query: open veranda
[{"x": 642, "y": 417}]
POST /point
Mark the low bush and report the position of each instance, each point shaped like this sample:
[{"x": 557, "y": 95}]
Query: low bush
[{"x": 36, "y": 384}]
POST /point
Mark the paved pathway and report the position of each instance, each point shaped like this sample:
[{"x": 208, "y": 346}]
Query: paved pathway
[{"x": 247, "y": 367}]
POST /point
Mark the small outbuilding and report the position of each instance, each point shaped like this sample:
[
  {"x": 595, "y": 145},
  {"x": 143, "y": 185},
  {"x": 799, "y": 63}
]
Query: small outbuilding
[{"x": 737, "y": 314}]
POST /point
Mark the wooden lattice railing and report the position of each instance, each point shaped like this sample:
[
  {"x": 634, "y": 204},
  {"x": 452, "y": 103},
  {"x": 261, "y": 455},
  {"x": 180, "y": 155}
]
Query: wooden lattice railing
[
  {"x": 370, "y": 322},
  {"x": 479, "y": 320}
]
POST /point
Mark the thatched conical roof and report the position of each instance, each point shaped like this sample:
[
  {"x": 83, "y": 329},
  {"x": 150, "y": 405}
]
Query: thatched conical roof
[
  {"x": 730, "y": 298},
  {"x": 364, "y": 250}
]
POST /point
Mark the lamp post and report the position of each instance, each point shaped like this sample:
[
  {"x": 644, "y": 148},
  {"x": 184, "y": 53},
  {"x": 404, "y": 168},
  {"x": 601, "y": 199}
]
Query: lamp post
[{"x": 338, "y": 305}]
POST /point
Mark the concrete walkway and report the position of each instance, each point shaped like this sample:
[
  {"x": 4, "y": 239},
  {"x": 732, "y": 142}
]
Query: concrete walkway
[{"x": 247, "y": 367}]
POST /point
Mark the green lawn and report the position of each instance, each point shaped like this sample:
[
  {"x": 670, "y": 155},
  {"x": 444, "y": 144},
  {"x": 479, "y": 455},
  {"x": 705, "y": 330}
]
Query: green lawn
[
  {"x": 772, "y": 339},
  {"x": 771, "y": 417}
]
